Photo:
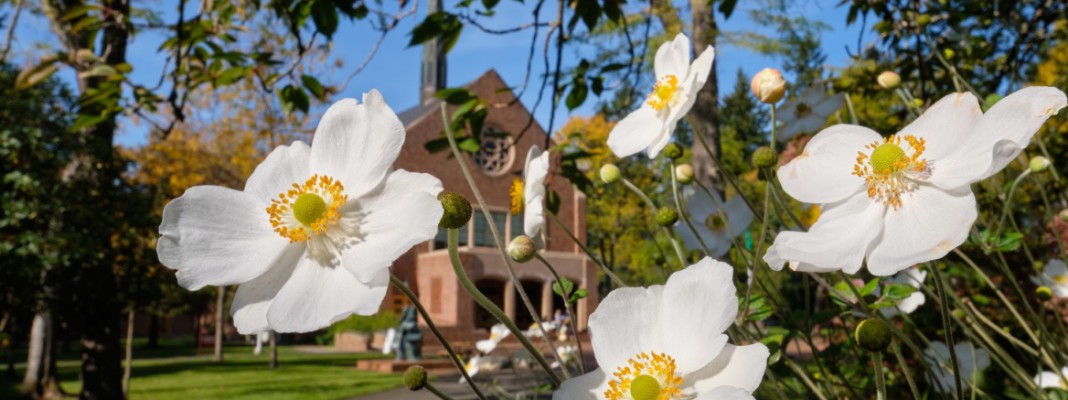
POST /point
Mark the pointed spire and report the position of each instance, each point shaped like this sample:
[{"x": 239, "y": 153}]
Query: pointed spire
[{"x": 433, "y": 65}]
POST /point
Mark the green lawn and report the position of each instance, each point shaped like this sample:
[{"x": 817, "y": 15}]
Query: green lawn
[{"x": 176, "y": 372}]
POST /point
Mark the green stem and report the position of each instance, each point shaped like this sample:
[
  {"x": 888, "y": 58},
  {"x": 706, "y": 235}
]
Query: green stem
[
  {"x": 611, "y": 275},
  {"x": 486, "y": 303},
  {"x": 441, "y": 395},
  {"x": 437, "y": 333},
  {"x": 570, "y": 312},
  {"x": 683, "y": 212},
  {"x": 1008, "y": 202},
  {"x": 880, "y": 380},
  {"x": 905, "y": 369},
  {"x": 944, "y": 303}
]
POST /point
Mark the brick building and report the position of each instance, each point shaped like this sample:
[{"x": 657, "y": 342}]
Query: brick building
[{"x": 427, "y": 268}]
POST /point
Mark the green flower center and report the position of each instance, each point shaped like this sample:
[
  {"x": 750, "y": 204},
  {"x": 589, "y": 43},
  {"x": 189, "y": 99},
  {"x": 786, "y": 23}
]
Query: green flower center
[
  {"x": 308, "y": 208},
  {"x": 888, "y": 157},
  {"x": 715, "y": 222},
  {"x": 644, "y": 387},
  {"x": 803, "y": 110}
]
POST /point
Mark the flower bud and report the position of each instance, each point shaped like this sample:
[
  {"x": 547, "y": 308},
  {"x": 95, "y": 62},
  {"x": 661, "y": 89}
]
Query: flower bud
[
  {"x": 768, "y": 86},
  {"x": 764, "y": 157},
  {"x": 521, "y": 248},
  {"x": 415, "y": 378},
  {"x": 873, "y": 334},
  {"x": 1044, "y": 293},
  {"x": 610, "y": 173},
  {"x": 684, "y": 173},
  {"x": 673, "y": 151},
  {"x": 957, "y": 313},
  {"x": 457, "y": 210},
  {"x": 667, "y": 216},
  {"x": 889, "y": 80},
  {"x": 1039, "y": 164}
]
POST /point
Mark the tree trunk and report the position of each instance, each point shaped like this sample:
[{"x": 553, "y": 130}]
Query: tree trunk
[
  {"x": 274, "y": 350},
  {"x": 704, "y": 116},
  {"x": 220, "y": 318},
  {"x": 40, "y": 379},
  {"x": 153, "y": 331},
  {"x": 129, "y": 353}
]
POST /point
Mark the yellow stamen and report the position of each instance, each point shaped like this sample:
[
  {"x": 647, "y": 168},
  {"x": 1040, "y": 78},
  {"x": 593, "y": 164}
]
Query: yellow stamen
[
  {"x": 1061, "y": 279},
  {"x": 307, "y": 209},
  {"x": 891, "y": 166},
  {"x": 810, "y": 215},
  {"x": 647, "y": 376},
  {"x": 663, "y": 92},
  {"x": 516, "y": 193}
]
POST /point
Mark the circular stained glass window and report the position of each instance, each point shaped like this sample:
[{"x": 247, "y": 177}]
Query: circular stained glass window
[{"x": 497, "y": 153}]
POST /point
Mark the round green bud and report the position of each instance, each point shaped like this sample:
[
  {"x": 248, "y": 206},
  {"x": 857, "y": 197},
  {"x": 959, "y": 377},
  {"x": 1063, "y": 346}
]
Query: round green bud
[
  {"x": 765, "y": 157},
  {"x": 684, "y": 173},
  {"x": 1038, "y": 266},
  {"x": 1044, "y": 293},
  {"x": 948, "y": 53},
  {"x": 957, "y": 313},
  {"x": 1039, "y": 164},
  {"x": 889, "y": 80},
  {"x": 873, "y": 334},
  {"x": 673, "y": 151},
  {"x": 667, "y": 216},
  {"x": 415, "y": 378},
  {"x": 918, "y": 103},
  {"x": 923, "y": 19},
  {"x": 521, "y": 248},
  {"x": 610, "y": 173},
  {"x": 457, "y": 210}
]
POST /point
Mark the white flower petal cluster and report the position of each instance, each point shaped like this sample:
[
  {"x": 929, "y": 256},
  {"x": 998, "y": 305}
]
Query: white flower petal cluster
[
  {"x": 655, "y": 342},
  {"x": 1052, "y": 380},
  {"x": 905, "y": 199},
  {"x": 677, "y": 83},
  {"x": 534, "y": 173},
  {"x": 913, "y": 277},
  {"x": 971, "y": 361},
  {"x": 498, "y": 333},
  {"x": 707, "y": 211},
  {"x": 808, "y": 112},
  {"x": 1054, "y": 276},
  {"x": 311, "y": 237}
]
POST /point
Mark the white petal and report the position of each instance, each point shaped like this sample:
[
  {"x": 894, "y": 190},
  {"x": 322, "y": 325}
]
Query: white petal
[
  {"x": 702, "y": 66},
  {"x": 739, "y": 366},
  {"x": 626, "y": 323},
  {"x": 739, "y": 216},
  {"x": 401, "y": 213},
  {"x": 946, "y": 125},
  {"x": 1046, "y": 379},
  {"x": 635, "y": 132},
  {"x": 316, "y": 296},
  {"x": 828, "y": 105},
  {"x": 999, "y": 136},
  {"x": 929, "y": 224},
  {"x": 823, "y": 173},
  {"x": 537, "y": 168},
  {"x": 663, "y": 137},
  {"x": 254, "y": 297},
  {"x": 673, "y": 58},
  {"x": 725, "y": 393},
  {"x": 277, "y": 173},
  {"x": 694, "y": 335},
  {"x": 838, "y": 239},
  {"x": 357, "y": 143},
  {"x": 590, "y": 386},
  {"x": 217, "y": 236}
]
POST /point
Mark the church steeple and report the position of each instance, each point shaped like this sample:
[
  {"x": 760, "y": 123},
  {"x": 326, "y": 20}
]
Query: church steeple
[{"x": 433, "y": 78}]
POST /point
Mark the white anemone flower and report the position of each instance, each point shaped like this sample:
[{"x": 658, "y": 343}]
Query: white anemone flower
[
  {"x": 566, "y": 353},
  {"x": 707, "y": 212},
  {"x": 972, "y": 361},
  {"x": 652, "y": 343},
  {"x": 807, "y": 113},
  {"x": 472, "y": 367},
  {"x": 1055, "y": 276},
  {"x": 677, "y": 83},
  {"x": 1051, "y": 380},
  {"x": 907, "y": 198},
  {"x": 498, "y": 333},
  {"x": 528, "y": 194},
  {"x": 311, "y": 237},
  {"x": 913, "y": 277}
]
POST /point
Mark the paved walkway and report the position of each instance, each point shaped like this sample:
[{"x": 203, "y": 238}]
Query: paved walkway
[{"x": 523, "y": 381}]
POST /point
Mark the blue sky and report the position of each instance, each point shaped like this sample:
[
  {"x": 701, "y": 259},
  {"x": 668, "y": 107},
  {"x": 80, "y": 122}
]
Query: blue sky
[{"x": 394, "y": 70}]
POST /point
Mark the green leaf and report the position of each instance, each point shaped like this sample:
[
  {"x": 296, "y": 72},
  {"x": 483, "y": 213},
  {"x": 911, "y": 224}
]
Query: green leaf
[
  {"x": 313, "y": 86},
  {"x": 577, "y": 95},
  {"x": 294, "y": 98},
  {"x": 231, "y": 75},
  {"x": 469, "y": 144},
  {"x": 455, "y": 95},
  {"x": 578, "y": 295},
  {"x": 436, "y": 145},
  {"x": 439, "y": 25},
  {"x": 563, "y": 287},
  {"x": 325, "y": 17},
  {"x": 898, "y": 291},
  {"x": 30, "y": 77}
]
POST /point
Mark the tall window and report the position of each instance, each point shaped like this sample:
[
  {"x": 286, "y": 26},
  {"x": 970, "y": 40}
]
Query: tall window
[
  {"x": 441, "y": 240},
  {"x": 483, "y": 235},
  {"x": 517, "y": 226}
]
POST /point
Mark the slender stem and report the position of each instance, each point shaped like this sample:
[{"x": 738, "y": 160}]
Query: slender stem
[
  {"x": 908, "y": 104},
  {"x": 441, "y": 395},
  {"x": 944, "y": 303},
  {"x": 640, "y": 193},
  {"x": 905, "y": 369},
  {"x": 683, "y": 212},
  {"x": 437, "y": 333},
  {"x": 800, "y": 372},
  {"x": 497, "y": 237},
  {"x": 1004, "y": 300},
  {"x": 849, "y": 106},
  {"x": 570, "y": 312},
  {"x": 727, "y": 175},
  {"x": 880, "y": 380},
  {"x": 611, "y": 275},
  {"x": 1008, "y": 202},
  {"x": 486, "y": 303}
]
